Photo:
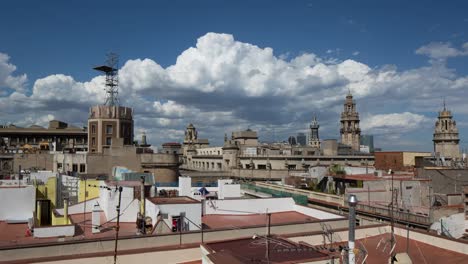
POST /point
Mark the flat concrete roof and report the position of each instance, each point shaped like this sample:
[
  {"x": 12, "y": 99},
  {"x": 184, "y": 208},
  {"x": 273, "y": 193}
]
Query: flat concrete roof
[
  {"x": 15, "y": 234},
  {"x": 250, "y": 250},
  {"x": 173, "y": 200},
  {"x": 247, "y": 220}
]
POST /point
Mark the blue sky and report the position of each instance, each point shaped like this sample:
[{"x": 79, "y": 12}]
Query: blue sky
[{"x": 52, "y": 41}]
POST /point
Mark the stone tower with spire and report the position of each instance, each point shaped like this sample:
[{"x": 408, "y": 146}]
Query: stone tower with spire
[
  {"x": 446, "y": 140},
  {"x": 314, "y": 140},
  {"x": 350, "y": 131}
]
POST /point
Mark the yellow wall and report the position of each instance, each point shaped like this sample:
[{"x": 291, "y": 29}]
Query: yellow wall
[
  {"x": 60, "y": 220},
  {"x": 93, "y": 192},
  {"x": 48, "y": 191}
]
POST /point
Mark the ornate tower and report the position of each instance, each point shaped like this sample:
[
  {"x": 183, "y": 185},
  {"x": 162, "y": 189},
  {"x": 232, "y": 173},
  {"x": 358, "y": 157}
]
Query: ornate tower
[
  {"x": 446, "y": 135},
  {"x": 350, "y": 131},
  {"x": 314, "y": 140},
  {"x": 191, "y": 134}
]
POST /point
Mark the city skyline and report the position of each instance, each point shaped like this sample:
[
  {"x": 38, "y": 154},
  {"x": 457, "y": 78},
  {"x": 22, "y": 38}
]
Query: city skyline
[{"x": 230, "y": 76}]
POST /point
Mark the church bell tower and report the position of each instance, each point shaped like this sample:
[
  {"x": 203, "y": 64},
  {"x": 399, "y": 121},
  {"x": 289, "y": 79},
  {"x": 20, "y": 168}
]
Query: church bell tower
[
  {"x": 314, "y": 140},
  {"x": 350, "y": 131},
  {"x": 446, "y": 139}
]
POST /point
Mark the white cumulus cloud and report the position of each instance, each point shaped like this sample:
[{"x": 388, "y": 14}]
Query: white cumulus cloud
[
  {"x": 394, "y": 123},
  {"x": 221, "y": 84},
  {"x": 442, "y": 50},
  {"x": 7, "y": 80}
]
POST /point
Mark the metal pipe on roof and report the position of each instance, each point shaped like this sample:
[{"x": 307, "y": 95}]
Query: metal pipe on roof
[{"x": 352, "y": 201}]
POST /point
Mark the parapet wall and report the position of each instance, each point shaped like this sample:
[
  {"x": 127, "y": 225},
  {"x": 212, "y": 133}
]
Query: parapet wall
[{"x": 113, "y": 112}]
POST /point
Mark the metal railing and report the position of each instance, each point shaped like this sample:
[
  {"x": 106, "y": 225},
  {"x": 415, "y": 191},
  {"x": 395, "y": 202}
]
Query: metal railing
[{"x": 398, "y": 215}]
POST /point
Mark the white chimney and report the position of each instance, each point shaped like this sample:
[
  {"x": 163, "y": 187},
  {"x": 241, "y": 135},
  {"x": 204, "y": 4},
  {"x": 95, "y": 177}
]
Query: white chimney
[{"x": 96, "y": 218}]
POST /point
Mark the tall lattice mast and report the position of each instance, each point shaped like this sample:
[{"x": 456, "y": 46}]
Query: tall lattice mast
[{"x": 112, "y": 78}]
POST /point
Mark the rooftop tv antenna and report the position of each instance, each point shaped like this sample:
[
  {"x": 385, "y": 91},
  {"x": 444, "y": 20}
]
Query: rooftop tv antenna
[{"x": 112, "y": 78}]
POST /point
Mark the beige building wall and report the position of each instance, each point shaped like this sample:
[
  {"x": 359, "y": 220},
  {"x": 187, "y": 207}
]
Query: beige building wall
[
  {"x": 164, "y": 167},
  {"x": 108, "y": 123},
  {"x": 409, "y": 157},
  {"x": 41, "y": 161}
]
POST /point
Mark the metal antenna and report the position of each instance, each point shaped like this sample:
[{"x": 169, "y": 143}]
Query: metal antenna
[{"x": 112, "y": 78}]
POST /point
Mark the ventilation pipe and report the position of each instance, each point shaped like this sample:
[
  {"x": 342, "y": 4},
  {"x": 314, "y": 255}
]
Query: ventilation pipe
[{"x": 352, "y": 202}]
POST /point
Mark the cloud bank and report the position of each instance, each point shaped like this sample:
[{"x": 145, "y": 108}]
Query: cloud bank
[{"x": 222, "y": 84}]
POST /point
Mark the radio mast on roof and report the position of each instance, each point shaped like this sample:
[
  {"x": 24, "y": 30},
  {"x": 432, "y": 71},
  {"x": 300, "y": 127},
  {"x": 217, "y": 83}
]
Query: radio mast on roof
[{"x": 112, "y": 79}]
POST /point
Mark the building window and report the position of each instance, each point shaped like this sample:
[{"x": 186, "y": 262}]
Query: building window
[
  {"x": 82, "y": 167},
  {"x": 93, "y": 141},
  {"x": 75, "y": 167},
  {"x": 93, "y": 129},
  {"x": 59, "y": 166},
  {"x": 109, "y": 129},
  {"x": 108, "y": 141}
]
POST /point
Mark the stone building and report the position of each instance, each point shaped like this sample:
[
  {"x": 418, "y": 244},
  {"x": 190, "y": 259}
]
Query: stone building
[
  {"x": 350, "y": 131},
  {"x": 446, "y": 140},
  {"x": 243, "y": 153},
  {"x": 397, "y": 160},
  {"x": 107, "y": 123},
  {"x": 57, "y": 136},
  {"x": 191, "y": 140},
  {"x": 314, "y": 140}
]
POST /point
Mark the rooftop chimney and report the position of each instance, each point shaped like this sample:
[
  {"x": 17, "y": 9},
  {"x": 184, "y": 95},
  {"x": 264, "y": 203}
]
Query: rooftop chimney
[{"x": 96, "y": 218}]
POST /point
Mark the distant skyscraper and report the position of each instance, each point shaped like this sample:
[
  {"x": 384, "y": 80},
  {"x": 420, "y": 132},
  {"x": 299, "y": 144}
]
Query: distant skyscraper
[
  {"x": 301, "y": 139},
  {"x": 368, "y": 140},
  {"x": 292, "y": 140},
  {"x": 350, "y": 130},
  {"x": 314, "y": 140},
  {"x": 446, "y": 138}
]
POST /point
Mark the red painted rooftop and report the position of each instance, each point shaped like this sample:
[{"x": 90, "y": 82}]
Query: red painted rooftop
[
  {"x": 253, "y": 250},
  {"x": 226, "y": 221},
  {"x": 173, "y": 200},
  {"x": 419, "y": 252}
]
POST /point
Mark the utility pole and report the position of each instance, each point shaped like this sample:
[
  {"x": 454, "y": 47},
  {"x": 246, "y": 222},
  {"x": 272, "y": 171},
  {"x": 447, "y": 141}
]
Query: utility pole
[
  {"x": 407, "y": 232},
  {"x": 118, "y": 222},
  {"x": 268, "y": 238},
  {"x": 19, "y": 177},
  {"x": 392, "y": 223},
  {"x": 201, "y": 225},
  {"x": 117, "y": 208},
  {"x": 84, "y": 209}
]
